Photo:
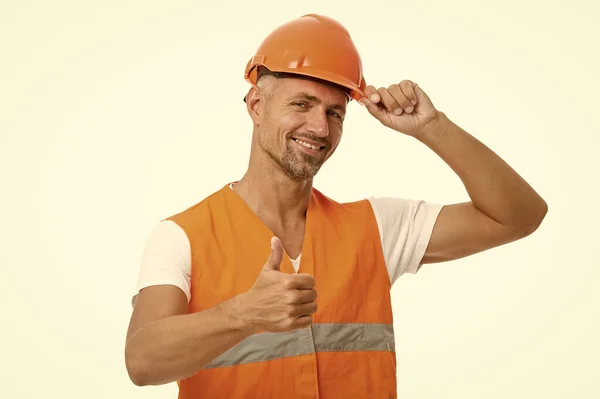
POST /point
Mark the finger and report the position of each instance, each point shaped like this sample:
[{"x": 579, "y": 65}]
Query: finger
[
  {"x": 274, "y": 261},
  {"x": 303, "y": 322},
  {"x": 306, "y": 296},
  {"x": 306, "y": 309},
  {"x": 298, "y": 297},
  {"x": 396, "y": 92},
  {"x": 409, "y": 89},
  {"x": 390, "y": 102},
  {"x": 372, "y": 95},
  {"x": 301, "y": 281},
  {"x": 375, "y": 109}
]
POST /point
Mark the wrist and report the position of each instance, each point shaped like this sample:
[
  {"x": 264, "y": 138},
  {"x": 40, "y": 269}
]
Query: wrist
[
  {"x": 434, "y": 128},
  {"x": 241, "y": 314}
]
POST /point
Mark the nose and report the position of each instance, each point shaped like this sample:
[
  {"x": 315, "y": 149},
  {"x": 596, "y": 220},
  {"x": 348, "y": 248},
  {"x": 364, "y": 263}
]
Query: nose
[{"x": 317, "y": 122}]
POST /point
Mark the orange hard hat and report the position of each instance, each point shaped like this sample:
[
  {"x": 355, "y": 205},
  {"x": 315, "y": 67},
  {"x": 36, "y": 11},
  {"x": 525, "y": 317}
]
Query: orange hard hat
[{"x": 313, "y": 46}]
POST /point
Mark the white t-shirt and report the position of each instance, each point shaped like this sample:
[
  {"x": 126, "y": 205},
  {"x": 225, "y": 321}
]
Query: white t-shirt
[{"x": 405, "y": 227}]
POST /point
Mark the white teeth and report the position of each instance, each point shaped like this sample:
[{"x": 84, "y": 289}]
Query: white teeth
[{"x": 314, "y": 147}]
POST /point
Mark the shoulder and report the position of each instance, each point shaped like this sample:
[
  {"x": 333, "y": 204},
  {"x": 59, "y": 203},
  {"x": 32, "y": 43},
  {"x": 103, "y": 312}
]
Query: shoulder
[
  {"x": 405, "y": 227},
  {"x": 405, "y": 210},
  {"x": 404, "y": 218},
  {"x": 166, "y": 259},
  {"x": 355, "y": 207},
  {"x": 383, "y": 207},
  {"x": 166, "y": 233},
  {"x": 198, "y": 214},
  {"x": 167, "y": 243}
]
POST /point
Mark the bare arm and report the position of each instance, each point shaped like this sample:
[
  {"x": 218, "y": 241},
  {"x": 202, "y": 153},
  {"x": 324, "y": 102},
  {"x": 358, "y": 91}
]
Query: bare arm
[
  {"x": 503, "y": 206},
  {"x": 164, "y": 344}
]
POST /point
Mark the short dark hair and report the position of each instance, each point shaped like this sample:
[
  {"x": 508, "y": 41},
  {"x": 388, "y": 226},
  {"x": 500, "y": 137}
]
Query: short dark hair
[{"x": 262, "y": 71}]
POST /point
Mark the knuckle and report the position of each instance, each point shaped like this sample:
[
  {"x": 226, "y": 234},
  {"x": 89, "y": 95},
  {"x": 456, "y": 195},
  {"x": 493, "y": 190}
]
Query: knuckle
[
  {"x": 306, "y": 280},
  {"x": 369, "y": 90},
  {"x": 290, "y": 310},
  {"x": 287, "y": 283},
  {"x": 289, "y": 323},
  {"x": 404, "y": 102},
  {"x": 290, "y": 298},
  {"x": 296, "y": 297}
]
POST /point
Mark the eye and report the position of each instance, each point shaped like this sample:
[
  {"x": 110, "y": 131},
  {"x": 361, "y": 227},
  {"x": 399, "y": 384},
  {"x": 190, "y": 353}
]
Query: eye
[
  {"x": 335, "y": 114},
  {"x": 297, "y": 104}
]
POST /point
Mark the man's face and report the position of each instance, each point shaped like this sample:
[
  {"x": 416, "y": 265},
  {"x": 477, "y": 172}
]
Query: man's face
[{"x": 301, "y": 125}]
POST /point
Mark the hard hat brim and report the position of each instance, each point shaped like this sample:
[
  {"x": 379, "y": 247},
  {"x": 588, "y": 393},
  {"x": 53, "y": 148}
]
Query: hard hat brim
[{"x": 352, "y": 91}]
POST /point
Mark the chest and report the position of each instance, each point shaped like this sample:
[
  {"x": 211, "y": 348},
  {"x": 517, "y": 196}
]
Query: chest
[
  {"x": 339, "y": 246},
  {"x": 350, "y": 275},
  {"x": 292, "y": 240}
]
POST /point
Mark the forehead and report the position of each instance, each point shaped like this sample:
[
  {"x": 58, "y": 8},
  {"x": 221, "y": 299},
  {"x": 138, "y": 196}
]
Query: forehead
[{"x": 322, "y": 92}]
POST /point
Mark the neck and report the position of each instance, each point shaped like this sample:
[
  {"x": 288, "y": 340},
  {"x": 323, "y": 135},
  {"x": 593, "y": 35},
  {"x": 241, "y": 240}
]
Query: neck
[{"x": 272, "y": 195}]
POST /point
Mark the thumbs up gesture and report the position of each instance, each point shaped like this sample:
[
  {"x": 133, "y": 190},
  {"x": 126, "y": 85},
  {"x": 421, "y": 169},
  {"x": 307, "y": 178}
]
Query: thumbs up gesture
[{"x": 277, "y": 301}]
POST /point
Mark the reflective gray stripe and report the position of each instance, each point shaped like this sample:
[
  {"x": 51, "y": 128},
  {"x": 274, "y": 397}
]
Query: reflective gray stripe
[
  {"x": 266, "y": 346},
  {"x": 354, "y": 337},
  {"x": 320, "y": 338}
]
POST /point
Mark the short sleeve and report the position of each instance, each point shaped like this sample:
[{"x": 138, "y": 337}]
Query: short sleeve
[
  {"x": 166, "y": 258},
  {"x": 405, "y": 228}
]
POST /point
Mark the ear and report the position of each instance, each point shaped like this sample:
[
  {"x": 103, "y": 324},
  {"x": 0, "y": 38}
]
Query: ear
[{"x": 255, "y": 103}]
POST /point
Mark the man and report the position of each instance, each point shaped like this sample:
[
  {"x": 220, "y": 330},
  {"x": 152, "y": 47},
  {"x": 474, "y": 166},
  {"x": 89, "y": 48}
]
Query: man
[{"x": 228, "y": 291}]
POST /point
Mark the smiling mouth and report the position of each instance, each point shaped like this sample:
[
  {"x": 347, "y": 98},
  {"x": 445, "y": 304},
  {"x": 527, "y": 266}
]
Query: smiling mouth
[{"x": 309, "y": 145}]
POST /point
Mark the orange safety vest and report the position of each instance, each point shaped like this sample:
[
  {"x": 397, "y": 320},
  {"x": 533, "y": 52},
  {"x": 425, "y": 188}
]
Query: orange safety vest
[{"x": 349, "y": 350}]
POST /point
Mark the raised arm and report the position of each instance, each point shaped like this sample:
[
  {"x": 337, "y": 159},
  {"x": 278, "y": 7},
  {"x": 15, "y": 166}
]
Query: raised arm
[{"x": 503, "y": 206}]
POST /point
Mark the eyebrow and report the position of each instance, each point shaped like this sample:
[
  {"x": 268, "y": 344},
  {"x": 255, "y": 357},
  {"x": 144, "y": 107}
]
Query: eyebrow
[{"x": 310, "y": 97}]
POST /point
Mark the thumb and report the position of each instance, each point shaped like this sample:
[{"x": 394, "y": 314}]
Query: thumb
[{"x": 274, "y": 261}]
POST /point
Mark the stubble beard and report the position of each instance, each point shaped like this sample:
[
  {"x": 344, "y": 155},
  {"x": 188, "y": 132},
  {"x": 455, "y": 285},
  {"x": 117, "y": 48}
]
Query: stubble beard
[{"x": 297, "y": 166}]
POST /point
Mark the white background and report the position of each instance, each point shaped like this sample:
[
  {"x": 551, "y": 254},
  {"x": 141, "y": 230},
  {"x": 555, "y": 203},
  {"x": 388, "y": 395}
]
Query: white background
[{"x": 116, "y": 114}]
